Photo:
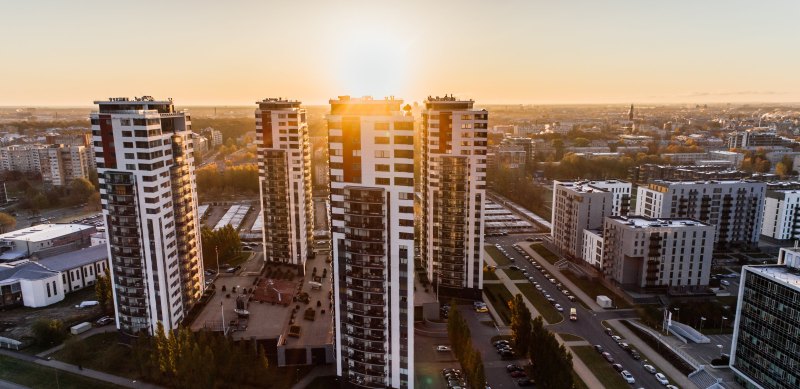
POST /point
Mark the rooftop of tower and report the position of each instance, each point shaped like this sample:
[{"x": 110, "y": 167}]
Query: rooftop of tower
[
  {"x": 278, "y": 103},
  {"x": 366, "y": 105}
]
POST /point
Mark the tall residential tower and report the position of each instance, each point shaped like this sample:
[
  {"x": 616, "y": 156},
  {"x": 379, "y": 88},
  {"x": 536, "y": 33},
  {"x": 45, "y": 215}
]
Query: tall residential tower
[
  {"x": 147, "y": 188},
  {"x": 371, "y": 144},
  {"x": 284, "y": 167},
  {"x": 454, "y": 139}
]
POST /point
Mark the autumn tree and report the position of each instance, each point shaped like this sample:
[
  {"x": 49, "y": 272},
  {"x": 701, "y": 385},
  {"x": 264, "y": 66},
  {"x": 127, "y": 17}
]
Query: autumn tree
[
  {"x": 7, "y": 222},
  {"x": 224, "y": 241},
  {"x": 103, "y": 293},
  {"x": 520, "y": 324}
]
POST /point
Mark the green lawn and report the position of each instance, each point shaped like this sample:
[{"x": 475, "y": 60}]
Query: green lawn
[
  {"x": 498, "y": 257},
  {"x": 36, "y": 376},
  {"x": 548, "y": 312},
  {"x": 593, "y": 289},
  {"x": 514, "y": 274},
  {"x": 577, "y": 381},
  {"x": 545, "y": 253},
  {"x": 600, "y": 367},
  {"x": 108, "y": 356},
  {"x": 499, "y": 296},
  {"x": 489, "y": 275},
  {"x": 570, "y": 337}
]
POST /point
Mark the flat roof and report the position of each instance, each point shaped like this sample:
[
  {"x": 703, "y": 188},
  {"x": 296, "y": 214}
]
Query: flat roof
[
  {"x": 77, "y": 258},
  {"x": 780, "y": 273},
  {"x": 44, "y": 232},
  {"x": 705, "y": 182},
  {"x": 641, "y": 221}
]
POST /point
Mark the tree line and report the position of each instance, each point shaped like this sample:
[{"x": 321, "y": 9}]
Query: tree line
[
  {"x": 468, "y": 356},
  {"x": 186, "y": 359},
  {"x": 36, "y": 198},
  {"x": 212, "y": 182},
  {"x": 224, "y": 241},
  {"x": 551, "y": 363}
]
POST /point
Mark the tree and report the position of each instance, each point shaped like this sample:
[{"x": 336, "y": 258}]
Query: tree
[
  {"x": 49, "y": 332},
  {"x": 7, "y": 222},
  {"x": 520, "y": 324},
  {"x": 103, "y": 293},
  {"x": 225, "y": 240},
  {"x": 552, "y": 364},
  {"x": 784, "y": 167},
  {"x": 80, "y": 190}
]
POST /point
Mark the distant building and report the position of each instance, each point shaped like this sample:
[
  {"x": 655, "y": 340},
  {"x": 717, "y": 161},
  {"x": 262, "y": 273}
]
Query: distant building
[
  {"x": 200, "y": 144},
  {"x": 509, "y": 129},
  {"x": 766, "y": 333},
  {"x": 758, "y": 137},
  {"x": 57, "y": 164},
  {"x": 508, "y": 156},
  {"x": 213, "y": 136},
  {"x": 44, "y": 240},
  {"x": 582, "y": 205},
  {"x": 735, "y": 208},
  {"x": 642, "y": 252},
  {"x": 649, "y": 172},
  {"x": 782, "y": 214},
  {"x": 3, "y": 193}
]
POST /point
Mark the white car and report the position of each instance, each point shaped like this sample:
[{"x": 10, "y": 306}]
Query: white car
[
  {"x": 726, "y": 283},
  {"x": 650, "y": 369},
  {"x": 559, "y": 308},
  {"x": 627, "y": 376},
  {"x": 662, "y": 379},
  {"x": 442, "y": 348}
]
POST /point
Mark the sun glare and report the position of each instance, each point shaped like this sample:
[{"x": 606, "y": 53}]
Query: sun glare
[{"x": 373, "y": 65}]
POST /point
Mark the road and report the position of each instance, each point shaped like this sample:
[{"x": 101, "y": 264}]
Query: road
[
  {"x": 494, "y": 368},
  {"x": 589, "y": 325}
]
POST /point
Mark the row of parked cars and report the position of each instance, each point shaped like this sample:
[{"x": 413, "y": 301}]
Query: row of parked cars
[
  {"x": 504, "y": 349},
  {"x": 660, "y": 377},
  {"x": 518, "y": 373},
  {"x": 454, "y": 378}
]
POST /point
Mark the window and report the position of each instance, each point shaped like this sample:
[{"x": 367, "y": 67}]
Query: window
[
  {"x": 404, "y": 153},
  {"x": 381, "y": 140},
  {"x": 404, "y": 167},
  {"x": 404, "y": 126},
  {"x": 381, "y": 126},
  {"x": 382, "y": 154},
  {"x": 404, "y": 140},
  {"x": 381, "y": 181},
  {"x": 381, "y": 168}
]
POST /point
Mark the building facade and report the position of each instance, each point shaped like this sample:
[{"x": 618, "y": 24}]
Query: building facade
[
  {"x": 582, "y": 205},
  {"x": 641, "y": 252},
  {"x": 735, "y": 208},
  {"x": 284, "y": 166},
  {"x": 766, "y": 335},
  {"x": 593, "y": 248},
  {"x": 371, "y": 148},
  {"x": 454, "y": 138},
  {"x": 781, "y": 215},
  {"x": 57, "y": 164},
  {"x": 147, "y": 188}
]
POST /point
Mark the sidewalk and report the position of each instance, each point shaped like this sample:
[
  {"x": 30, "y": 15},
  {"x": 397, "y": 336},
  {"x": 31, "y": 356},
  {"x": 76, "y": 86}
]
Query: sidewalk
[
  {"x": 555, "y": 272},
  {"x": 581, "y": 369},
  {"x": 93, "y": 331},
  {"x": 319, "y": 371},
  {"x": 680, "y": 379}
]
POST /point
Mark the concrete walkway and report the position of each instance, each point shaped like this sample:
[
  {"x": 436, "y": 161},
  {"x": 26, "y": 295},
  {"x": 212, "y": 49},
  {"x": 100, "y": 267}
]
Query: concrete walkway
[
  {"x": 581, "y": 369},
  {"x": 319, "y": 371},
  {"x": 93, "y": 331},
  {"x": 652, "y": 355},
  {"x": 10, "y": 385},
  {"x": 555, "y": 272}
]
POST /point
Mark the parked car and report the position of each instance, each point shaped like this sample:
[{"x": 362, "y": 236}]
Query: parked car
[
  {"x": 525, "y": 382},
  {"x": 616, "y": 339},
  {"x": 608, "y": 357},
  {"x": 609, "y": 332},
  {"x": 442, "y": 348},
  {"x": 86, "y": 304},
  {"x": 671, "y": 387},
  {"x": 500, "y": 342},
  {"x": 724, "y": 282},
  {"x": 518, "y": 374},
  {"x": 662, "y": 379},
  {"x": 599, "y": 348},
  {"x": 230, "y": 270},
  {"x": 559, "y": 308},
  {"x": 635, "y": 354},
  {"x": 571, "y": 298},
  {"x": 618, "y": 367},
  {"x": 513, "y": 267},
  {"x": 649, "y": 368},
  {"x": 513, "y": 367},
  {"x": 105, "y": 320}
]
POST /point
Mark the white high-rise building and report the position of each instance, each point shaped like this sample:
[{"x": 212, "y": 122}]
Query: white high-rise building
[
  {"x": 371, "y": 148},
  {"x": 454, "y": 139},
  {"x": 782, "y": 215},
  {"x": 284, "y": 166},
  {"x": 582, "y": 205},
  {"x": 657, "y": 253},
  {"x": 734, "y": 207},
  {"x": 147, "y": 188}
]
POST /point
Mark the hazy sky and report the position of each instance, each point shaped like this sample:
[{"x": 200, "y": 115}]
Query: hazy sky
[{"x": 236, "y": 52}]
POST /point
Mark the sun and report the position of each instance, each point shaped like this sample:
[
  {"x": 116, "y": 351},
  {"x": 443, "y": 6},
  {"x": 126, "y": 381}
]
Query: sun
[{"x": 374, "y": 64}]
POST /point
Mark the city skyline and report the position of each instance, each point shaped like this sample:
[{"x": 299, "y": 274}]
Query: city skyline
[{"x": 525, "y": 52}]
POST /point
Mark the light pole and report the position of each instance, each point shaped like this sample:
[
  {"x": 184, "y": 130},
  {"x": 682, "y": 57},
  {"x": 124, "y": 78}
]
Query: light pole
[
  {"x": 216, "y": 251},
  {"x": 222, "y": 311},
  {"x": 719, "y": 346},
  {"x": 722, "y": 323},
  {"x": 677, "y": 311},
  {"x": 702, "y": 319}
]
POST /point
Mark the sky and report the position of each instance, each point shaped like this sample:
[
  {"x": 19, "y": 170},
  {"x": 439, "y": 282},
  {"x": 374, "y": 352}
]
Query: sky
[{"x": 496, "y": 52}]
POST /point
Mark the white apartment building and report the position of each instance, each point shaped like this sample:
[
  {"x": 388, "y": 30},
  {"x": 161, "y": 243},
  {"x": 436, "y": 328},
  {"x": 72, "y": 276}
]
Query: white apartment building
[
  {"x": 734, "y": 207},
  {"x": 658, "y": 253},
  {"x": 57, "y": 164},
  {"x": 214, "y": 136},
  {"x": 582, "y": 205},
  {"x": 371, "y": 148},
  {"x": 781, "y": 215},
  {"x": 147, "y": 187},
  {"x": 593, "y": 248},
  {"x": 284, "y": 166},
  {"x": 454, "y": 138}
]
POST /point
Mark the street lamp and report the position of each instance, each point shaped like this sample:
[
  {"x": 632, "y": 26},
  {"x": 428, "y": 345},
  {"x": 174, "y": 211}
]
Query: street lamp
[
  {"x": 216, "y": 251},
  {"x": 677, "y": 311},
  {"x": 719, "y": 346},
  {"x": 702, "y": 319},
  {"x": 722, "y": 323}
]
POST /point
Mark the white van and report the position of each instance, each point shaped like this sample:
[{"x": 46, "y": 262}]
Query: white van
[{"x": 86, "y": 304}]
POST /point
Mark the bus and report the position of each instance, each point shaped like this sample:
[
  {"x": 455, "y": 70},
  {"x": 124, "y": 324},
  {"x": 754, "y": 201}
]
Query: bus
[{"x": 573, "y": 314}]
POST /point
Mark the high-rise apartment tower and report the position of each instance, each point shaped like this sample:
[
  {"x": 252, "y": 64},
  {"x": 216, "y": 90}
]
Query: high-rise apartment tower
[
  {"x": 371, "y": 147},
  {"x": 147, "y": 189}
]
